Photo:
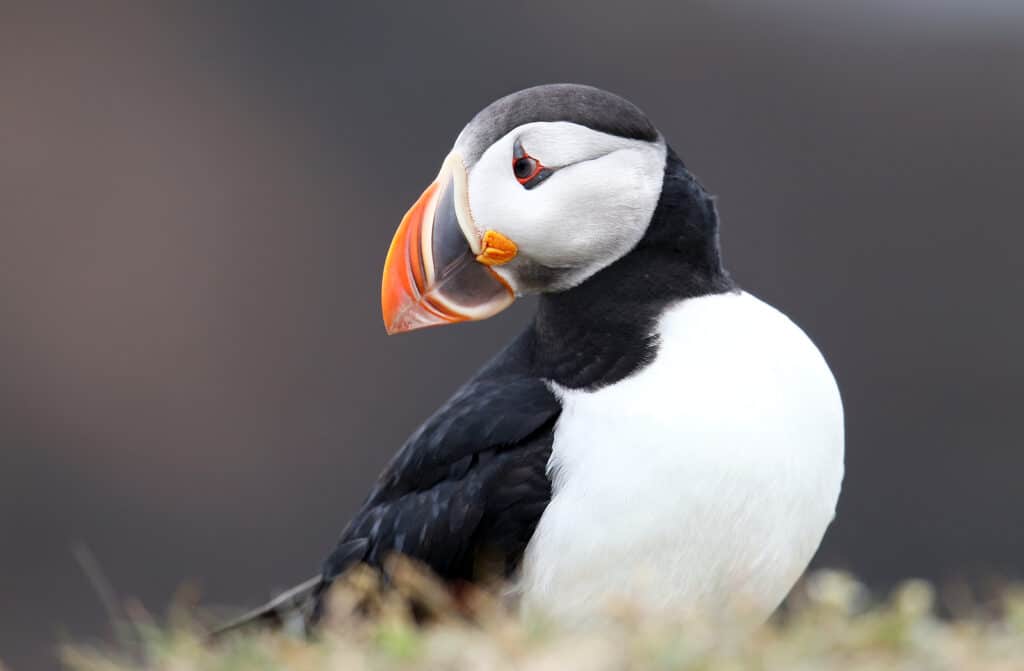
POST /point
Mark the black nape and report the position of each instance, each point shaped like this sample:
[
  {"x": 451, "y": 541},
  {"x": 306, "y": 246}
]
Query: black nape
[{"x": 602, "y": 331}]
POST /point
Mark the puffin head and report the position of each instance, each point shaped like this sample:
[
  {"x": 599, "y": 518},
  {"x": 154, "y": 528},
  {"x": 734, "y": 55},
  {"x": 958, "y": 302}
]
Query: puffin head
[{"x": 543, "y": 189}]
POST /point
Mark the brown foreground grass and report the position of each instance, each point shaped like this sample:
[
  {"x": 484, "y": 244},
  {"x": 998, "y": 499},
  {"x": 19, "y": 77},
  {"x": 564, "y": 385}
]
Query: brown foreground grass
[{"x": 829, "y": 624}]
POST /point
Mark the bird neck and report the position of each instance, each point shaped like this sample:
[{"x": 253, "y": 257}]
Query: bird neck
[{"x": 603, "y": 330}]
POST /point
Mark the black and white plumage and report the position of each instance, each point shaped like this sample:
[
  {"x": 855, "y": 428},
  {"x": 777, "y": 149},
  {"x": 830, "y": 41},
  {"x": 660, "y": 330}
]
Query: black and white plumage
[{"x": 654, "y": 434}]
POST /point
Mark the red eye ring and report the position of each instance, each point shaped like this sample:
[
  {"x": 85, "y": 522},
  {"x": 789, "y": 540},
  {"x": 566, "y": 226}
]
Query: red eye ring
[
  {"x": 525, "y": 168},
  {"x": 528, "y": 171}
]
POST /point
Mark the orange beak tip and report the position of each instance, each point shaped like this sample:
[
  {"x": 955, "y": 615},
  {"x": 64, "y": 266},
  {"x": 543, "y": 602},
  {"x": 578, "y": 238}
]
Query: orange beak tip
[{"x": 413, "y": 315}]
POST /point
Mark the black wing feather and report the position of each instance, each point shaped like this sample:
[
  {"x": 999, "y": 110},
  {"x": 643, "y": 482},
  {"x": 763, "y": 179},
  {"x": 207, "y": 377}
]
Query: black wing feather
[{"x": 471, "y": 481}]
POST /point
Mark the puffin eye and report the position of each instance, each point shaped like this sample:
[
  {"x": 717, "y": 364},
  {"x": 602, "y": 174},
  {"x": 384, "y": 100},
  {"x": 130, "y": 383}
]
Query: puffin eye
[
  {"x": 524, "y": 168},
  {"x": 528, "y": 171}
]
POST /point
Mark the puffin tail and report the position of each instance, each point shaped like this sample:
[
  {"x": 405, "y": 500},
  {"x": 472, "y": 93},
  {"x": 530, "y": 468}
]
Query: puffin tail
[
  {"x": 292, "y": 612},
  {"x": 297, "y": 610}
]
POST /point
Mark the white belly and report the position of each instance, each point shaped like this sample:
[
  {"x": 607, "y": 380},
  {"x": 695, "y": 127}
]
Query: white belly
[{"x": 701, "y": 485}]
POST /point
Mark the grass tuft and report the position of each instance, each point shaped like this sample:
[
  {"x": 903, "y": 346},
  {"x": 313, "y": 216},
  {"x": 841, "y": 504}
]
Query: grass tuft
[{"x": 830, "y": 624}]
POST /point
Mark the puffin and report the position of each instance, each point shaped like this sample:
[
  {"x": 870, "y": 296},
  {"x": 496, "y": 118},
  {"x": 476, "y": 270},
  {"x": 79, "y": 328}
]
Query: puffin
[{"x": 655, "y": 435}]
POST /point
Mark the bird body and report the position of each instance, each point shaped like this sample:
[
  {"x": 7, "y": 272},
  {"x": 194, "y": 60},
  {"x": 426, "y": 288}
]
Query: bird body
[{"x": 654, "y": 435}]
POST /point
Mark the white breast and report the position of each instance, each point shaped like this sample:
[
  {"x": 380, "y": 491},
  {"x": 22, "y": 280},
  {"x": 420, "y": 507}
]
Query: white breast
[{"x": 702, "y": 484}]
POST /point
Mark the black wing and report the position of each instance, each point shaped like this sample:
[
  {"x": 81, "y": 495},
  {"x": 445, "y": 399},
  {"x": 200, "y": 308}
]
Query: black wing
[{"x": 470, "y": 484}]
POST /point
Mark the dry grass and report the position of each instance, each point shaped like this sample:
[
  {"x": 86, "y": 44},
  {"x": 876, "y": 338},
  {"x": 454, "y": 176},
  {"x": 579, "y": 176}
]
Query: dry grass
[{"x": 829, "y": 625}]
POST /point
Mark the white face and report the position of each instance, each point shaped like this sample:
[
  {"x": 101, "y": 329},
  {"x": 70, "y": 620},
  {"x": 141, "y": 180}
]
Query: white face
[{"x": 592, "y": 209}]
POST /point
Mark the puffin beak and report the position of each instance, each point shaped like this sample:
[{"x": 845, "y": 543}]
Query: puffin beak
[{"x": 438, "y": 269}]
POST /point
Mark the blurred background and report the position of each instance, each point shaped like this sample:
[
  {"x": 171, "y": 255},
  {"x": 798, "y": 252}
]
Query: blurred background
[{"x": 196, "y": 199}]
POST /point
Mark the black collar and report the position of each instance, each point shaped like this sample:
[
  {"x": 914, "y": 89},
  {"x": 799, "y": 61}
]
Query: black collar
[{"x": 602, "y": 330}]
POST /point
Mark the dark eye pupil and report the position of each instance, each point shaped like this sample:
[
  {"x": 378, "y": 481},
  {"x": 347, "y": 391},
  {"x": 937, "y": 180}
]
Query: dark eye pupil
[{"x": 523, "y": 167}]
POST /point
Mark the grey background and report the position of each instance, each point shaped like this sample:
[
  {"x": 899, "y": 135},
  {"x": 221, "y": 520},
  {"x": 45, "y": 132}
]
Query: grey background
[{"x": 196, "y": 198}]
